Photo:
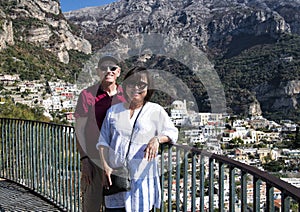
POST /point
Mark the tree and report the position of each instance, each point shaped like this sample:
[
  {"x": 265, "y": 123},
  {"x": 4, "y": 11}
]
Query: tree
[
  {"x": 297, "y": 139},
  {"x": 20, "y": 111},
  {"x": 273, "y": 166}
]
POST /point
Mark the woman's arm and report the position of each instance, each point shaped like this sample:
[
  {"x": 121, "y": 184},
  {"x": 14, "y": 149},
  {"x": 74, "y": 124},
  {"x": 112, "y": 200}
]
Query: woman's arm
[
  {"x": 103, "y": 152},
  {"x": 103, "y": 147},
  {"x": 167, "y": 132}
]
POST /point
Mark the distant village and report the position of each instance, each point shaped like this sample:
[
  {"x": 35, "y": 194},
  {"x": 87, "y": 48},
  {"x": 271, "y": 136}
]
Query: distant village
[
  {"x": 213, "y": 131},
  {"x": 53, "y": 97},
  {"x": 251, "y": 140}
]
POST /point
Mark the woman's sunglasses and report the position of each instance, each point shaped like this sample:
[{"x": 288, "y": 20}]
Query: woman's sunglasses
[{"x": 139, "y": 85}]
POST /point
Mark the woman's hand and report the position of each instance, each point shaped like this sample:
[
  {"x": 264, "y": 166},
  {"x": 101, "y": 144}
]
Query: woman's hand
[
  {"x": 152, "y": 148},
  {"x": 103, "y": 151},
  {"x": 107, "y": 179}
]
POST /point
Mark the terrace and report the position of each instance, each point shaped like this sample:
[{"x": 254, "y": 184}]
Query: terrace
[{"x": 42, "y": 158}]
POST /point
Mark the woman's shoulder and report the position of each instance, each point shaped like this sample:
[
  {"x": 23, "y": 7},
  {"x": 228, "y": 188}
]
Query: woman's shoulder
[
  {"x": 154, "y": 106},
  {"x": 117, "y": 107}
]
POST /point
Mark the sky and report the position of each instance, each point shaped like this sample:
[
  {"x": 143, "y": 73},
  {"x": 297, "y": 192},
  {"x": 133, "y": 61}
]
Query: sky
[{"x": 68, "y": 5}]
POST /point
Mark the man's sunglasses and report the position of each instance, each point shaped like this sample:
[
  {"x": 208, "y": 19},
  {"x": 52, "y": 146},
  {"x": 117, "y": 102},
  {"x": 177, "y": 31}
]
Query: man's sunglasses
[
  {"x": 111, "y": 68},
  {"x": 139, "y": 85}
]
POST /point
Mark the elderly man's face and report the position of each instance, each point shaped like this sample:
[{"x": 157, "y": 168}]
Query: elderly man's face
[{"x": 109, "y": 71}]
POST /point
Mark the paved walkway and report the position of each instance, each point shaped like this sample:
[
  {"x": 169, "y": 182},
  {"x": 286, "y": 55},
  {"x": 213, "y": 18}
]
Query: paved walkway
[{"x": 16, "y": 198}]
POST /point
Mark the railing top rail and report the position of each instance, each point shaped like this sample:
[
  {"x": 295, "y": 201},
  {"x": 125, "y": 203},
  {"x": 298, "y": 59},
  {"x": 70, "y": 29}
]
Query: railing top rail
[
  {"x": 268, "y": 178},
  {"x": 35, "y": 121}
]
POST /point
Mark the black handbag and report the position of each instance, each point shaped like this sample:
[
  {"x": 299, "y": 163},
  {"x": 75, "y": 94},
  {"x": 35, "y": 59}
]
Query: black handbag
[{"x": 120, "y": 177}]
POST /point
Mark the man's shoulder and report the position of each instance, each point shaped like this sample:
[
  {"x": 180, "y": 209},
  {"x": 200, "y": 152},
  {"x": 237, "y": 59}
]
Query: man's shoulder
[
  {"x": 120, "y": 88},
  {"x": 91, "y": 90},
  {"x": 119, "y": 97}
]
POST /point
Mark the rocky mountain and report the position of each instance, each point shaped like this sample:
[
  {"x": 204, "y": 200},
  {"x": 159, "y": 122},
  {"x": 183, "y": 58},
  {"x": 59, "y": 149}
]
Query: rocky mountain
[
  {"x": 39, "y": 22},
  {"x": 205, "y": 23},
  {"x": 253, "y": 44}
]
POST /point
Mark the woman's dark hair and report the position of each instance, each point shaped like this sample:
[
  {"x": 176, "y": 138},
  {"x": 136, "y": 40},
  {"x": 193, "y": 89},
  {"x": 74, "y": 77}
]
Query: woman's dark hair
[{"x": 135, "y": 74}]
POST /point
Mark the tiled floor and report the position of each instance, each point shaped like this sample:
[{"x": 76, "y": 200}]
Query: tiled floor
[{"x": 14, "y": 197}]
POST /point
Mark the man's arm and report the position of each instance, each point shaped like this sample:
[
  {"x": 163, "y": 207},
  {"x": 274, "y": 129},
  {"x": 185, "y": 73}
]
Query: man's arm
[
  {"x": 86, "y": 169},
  {"x": 80, "y": 135}
]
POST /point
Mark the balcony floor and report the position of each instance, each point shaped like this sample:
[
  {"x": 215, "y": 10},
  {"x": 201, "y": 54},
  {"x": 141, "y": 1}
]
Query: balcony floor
[{"x": 14, "y": 197}]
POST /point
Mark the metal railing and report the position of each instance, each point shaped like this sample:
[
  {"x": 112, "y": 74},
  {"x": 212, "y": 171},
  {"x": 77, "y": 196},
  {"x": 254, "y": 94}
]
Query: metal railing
[
  {"x": 43, "y": 157},
  {"x": 197, "y": 180}
]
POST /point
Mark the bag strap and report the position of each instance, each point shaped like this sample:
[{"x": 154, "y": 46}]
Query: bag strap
[{"x": 133, "y": 130}]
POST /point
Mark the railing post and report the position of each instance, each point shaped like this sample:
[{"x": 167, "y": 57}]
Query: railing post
[
  {"x": 27, "y": 153},
  {"x": 48, "y": 152},
  {"x": 13, "y": 149},
  {"x": 256, "y": 194},
  {"x": 18, "y": 152},
  {"x": 194, "y": 186},
  {"x": 202, "y": 183},
  {"x": 244, "y": 191},
  {"x": 178, "y": 170},
  {"x": 2, "y": 147},
  {"x": 162, "y": 178},
  {"x": 34, "y": 155},
  {"x": 270, "y": 198},
  {"x": 285, "y": 203},
  {"x": 8, "y": 152},
  {"x": 221, "y": 187},
  {"x": 170, "y": 178},
  {"x": 211, "y": 185},
  {"x": 231, "y": 189},
  {"x": 185, "y": 180}
]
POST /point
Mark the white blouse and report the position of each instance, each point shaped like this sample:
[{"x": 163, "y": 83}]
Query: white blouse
[{"x": 115, "y": 134}]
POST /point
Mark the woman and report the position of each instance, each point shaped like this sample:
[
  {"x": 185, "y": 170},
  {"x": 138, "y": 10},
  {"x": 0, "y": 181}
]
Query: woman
[{"x": 152, "y": 127}]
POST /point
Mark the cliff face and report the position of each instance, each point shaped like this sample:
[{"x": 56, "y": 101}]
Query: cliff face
[
  {"x": 6, "y": 31},
  {"x": 220, "y": 28},
  {"x": 279, "y": 98},
  {"x": 205, "y": 23},
  {"x": 42, "y": 23}
]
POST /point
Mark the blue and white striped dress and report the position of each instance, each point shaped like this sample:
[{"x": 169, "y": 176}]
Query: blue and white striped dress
[{"x": 115, "y": 134}]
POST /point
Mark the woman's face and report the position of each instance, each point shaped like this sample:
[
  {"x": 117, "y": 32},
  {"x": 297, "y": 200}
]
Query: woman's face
[{"x": 136, "y": 87}]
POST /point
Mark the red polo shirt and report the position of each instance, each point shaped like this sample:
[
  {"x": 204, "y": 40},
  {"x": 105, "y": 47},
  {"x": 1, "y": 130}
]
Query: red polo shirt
[{"x": 93, "y": 103}]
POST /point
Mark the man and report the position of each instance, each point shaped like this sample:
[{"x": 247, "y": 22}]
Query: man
[{"x": 90, "y": 112}]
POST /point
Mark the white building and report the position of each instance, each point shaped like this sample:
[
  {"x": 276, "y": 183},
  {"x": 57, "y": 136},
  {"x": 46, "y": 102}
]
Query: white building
[
  {"x": 293, "y": 181},
  {"x": 179, "y": 114},
  {"x": 194, "y": 135}
]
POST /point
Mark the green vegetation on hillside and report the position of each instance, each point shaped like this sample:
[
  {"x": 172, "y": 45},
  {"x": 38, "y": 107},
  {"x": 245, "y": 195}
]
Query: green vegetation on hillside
[
  {"x": 273, "y": 63},
  {"x": 30, "y": 62},
  {"x": 7, "y": 5},
  {"x": 9, "y": 109}
]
